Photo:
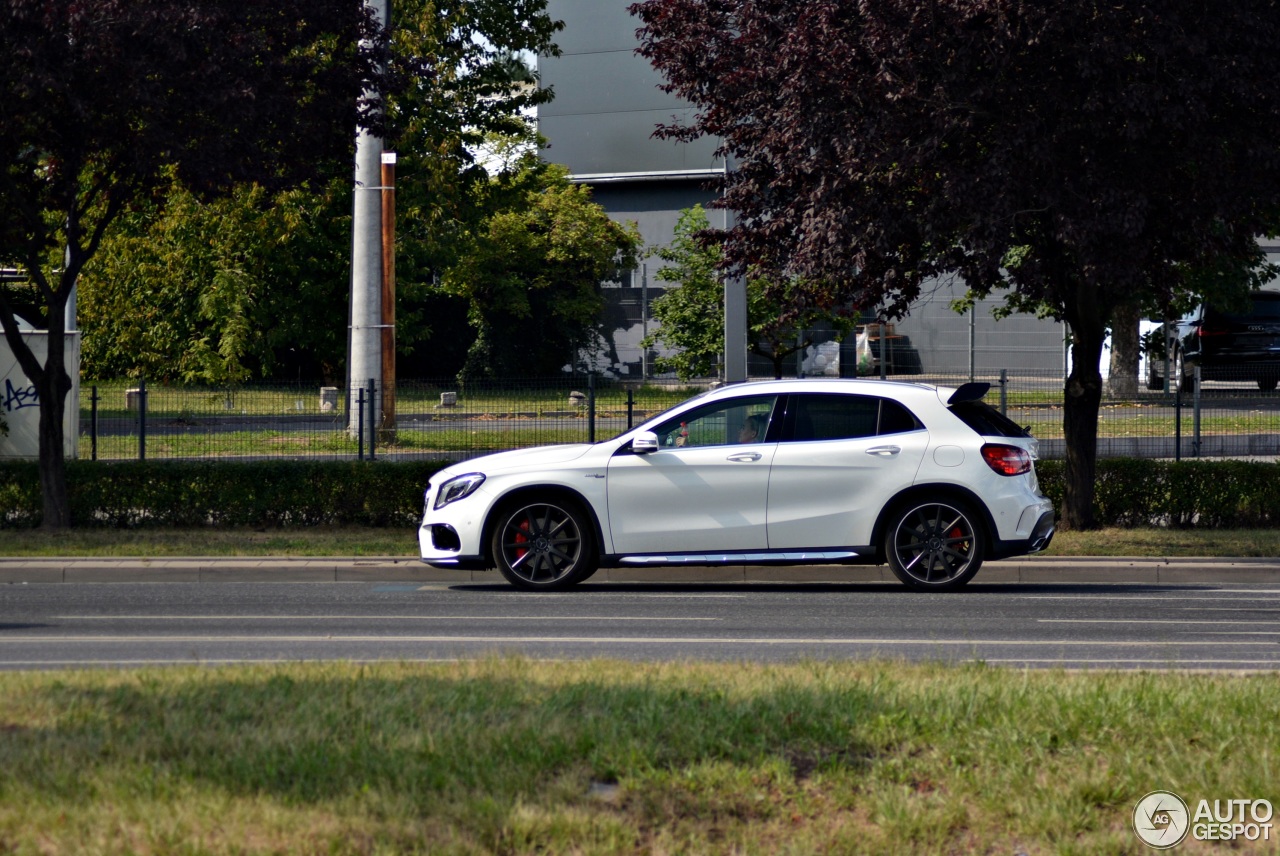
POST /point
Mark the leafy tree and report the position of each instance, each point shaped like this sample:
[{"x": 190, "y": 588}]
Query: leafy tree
[
  {"x": 222, "y": 290},
  {"x": 1082, "y": 155},
  {"x": 195, "y": 290},
  {"x": 692, "y": 314},
  {"x": 531, "y": 274},
  {"x": 100, "y": 103}
]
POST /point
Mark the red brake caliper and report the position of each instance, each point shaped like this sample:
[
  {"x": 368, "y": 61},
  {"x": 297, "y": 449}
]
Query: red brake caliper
[{"x": 522, "y": 538}]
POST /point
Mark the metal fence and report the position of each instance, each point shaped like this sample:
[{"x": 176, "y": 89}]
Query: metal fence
[{"x": 437, "y": 419}]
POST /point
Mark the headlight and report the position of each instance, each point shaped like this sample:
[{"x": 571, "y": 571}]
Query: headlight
[{"x": 458, "y": 488}]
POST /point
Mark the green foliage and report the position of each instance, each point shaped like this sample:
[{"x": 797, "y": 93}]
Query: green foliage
[
  {"x": 188, "y": 289},
  {"x": 692, "y": 314},
  {"x": 1130, "y": 492},
  {"x": 224, "y": 494},
  {"x": 1188, "y": 494},
  {"x": 220, "y": 291},
  {"x": 531, "y": 274}
]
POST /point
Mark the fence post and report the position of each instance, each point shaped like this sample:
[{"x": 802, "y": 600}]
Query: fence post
[
  {"x": 360, "y": 424},
  {"x": 591, "y": 408},
  {"x": 1195, "y": 415},
  {"x": 1177, "y": 421},
  {"x": 142, "y": 419},
  {"x": 1004, "y": 392},
  {"x": 373, "y": 416},
  {"x": 93, "y": 423},
  {"x": 631, "y": 406}
]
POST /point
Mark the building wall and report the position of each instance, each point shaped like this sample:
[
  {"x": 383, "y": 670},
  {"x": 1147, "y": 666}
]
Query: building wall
[{"x": 607, "y": 104}]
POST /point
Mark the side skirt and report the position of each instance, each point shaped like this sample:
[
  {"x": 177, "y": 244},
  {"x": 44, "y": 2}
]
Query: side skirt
[{"x": 844, "y": 556}]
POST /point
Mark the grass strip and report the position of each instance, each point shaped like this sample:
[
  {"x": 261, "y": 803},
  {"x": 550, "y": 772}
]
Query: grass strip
[
  {"x": 516, "y": 756},
  {"x": 354, "y": 541}
]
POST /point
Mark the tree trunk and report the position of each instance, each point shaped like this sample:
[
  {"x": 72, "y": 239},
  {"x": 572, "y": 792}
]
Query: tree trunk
[
  {"x": 1080, "y": 423},
  {"x": 52, "y": 387},
  {"x": 1125, "y": 323}
]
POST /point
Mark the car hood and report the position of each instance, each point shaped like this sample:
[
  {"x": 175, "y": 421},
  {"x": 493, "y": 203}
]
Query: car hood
[{"x": 538, "y": 456}]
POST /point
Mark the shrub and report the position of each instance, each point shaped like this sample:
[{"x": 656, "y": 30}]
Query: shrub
[
  {"x": 1202, "y": 494},
  {"x": 1128, "y": 492},
  {"x": 213, "y": 493}
]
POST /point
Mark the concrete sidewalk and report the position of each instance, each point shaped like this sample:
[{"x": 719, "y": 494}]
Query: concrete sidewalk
[{"x": 1143, "y": 570}]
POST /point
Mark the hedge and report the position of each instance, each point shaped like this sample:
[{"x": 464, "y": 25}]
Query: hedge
[
  {"x": 229, "y": 494},
  {"x": 1129, "y": 492}
]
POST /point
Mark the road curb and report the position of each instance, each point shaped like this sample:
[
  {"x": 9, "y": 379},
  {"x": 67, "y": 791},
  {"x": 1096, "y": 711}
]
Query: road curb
[{"x": 1131, "y": 570}]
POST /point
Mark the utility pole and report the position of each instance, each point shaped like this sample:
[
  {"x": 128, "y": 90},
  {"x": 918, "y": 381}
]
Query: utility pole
[
  {"x": 364, "y": 340},
  {"x": 388, "y": 297},
  {"x": 735, "y": 311}
]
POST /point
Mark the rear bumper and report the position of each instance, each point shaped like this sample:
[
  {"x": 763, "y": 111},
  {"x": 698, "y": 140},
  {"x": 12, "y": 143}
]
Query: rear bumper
[{"x": 1041, "y": 535}]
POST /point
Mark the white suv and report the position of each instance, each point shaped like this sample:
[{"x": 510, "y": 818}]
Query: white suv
[{"x": 930, "y": 479}]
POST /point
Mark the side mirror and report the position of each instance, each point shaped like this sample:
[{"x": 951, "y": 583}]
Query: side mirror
[{"x": 644, "y": 442}]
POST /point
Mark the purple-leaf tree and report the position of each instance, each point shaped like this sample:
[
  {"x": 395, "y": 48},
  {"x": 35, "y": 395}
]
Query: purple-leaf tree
[{"x": 1078, "y": 156}]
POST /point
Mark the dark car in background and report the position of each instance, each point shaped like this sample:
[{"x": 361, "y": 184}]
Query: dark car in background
[{"x": 1228, "y": 346}]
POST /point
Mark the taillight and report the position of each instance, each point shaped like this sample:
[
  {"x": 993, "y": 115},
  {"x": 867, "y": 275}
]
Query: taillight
[{"x": 1006, "y": 460}]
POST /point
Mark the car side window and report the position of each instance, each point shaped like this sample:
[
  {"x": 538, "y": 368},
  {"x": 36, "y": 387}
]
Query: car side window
[
  {"x": 720, "y": 423},
  {"x": 846, "y": 417}
]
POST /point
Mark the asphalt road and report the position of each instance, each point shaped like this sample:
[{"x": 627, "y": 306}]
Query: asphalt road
[{"x": 1212, "y": 626}]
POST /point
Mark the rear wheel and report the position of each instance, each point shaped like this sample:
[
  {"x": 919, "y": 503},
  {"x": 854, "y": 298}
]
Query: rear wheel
[
  {"x": 1185, "y": 381},
  {"x": 935, "y": 546},
  {"x": 544, "y": 545}
]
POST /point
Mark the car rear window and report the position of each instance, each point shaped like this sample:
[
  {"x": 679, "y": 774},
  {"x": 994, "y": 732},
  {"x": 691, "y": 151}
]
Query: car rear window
[
  {"x": 1265, "y": 307},
  {"x": 986, "y": 420}
]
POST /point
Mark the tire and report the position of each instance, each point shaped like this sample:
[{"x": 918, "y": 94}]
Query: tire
[
  {"x": 1184, "y": 381},
  {"x": 544, "y": 545},
  {"x": 935, "y": 546}
]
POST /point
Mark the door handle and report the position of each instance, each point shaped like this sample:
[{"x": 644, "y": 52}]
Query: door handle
[
  {"x": 884, "y": 451},
  {"x": 745, "y": 457}
]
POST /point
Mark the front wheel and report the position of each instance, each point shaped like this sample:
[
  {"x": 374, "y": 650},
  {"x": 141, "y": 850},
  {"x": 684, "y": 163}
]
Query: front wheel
[
  {"x": 544, "y": 546},
  {"x": 936, "y": 546}
]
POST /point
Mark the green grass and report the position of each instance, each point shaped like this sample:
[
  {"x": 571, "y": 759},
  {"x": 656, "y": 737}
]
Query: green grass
[
  {"x": 330, "y": 541},
  {"x": 514, "y": 756},
  {"x": 161, "y": 543}
]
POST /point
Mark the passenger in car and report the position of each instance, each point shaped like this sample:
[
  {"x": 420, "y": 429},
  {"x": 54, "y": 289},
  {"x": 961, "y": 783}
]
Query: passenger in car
[{"x": 752, "y": 428}]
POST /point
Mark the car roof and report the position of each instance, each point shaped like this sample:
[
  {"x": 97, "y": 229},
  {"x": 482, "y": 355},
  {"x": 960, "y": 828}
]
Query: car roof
[{"x": 866, "y": 386}]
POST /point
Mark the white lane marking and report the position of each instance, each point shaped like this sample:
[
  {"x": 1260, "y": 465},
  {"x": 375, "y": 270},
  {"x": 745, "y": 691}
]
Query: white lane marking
[
  {"x": 645, "y": 640},
  {"x": 1241, "y": 632},
  {"x": 1225, "y": 609},
  {"x": 1179, "y": 621},
  {"x": 1168, "y": 597},
  {"x": 376, "y": 618}
]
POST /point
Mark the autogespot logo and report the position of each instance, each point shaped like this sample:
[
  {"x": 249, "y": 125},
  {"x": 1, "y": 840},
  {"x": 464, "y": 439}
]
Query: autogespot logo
[{"x": 1161, "y": 819}]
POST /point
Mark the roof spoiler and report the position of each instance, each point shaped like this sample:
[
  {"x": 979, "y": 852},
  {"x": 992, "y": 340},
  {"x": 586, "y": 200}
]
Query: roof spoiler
[{"x": 968, "y": 392}]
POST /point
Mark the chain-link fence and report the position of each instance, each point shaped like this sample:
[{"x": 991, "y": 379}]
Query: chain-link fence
[{"x": 432, "y": 419}]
